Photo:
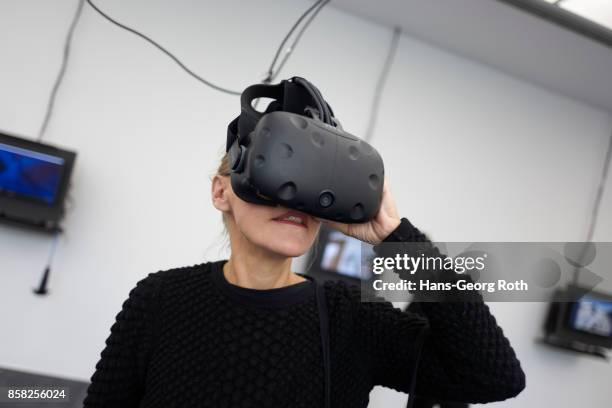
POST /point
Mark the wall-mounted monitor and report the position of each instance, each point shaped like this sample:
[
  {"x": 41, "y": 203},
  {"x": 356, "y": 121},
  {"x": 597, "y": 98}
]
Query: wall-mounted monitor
[
  {"x": 592, "y": 315},
  {"x": 583, "y": 324},
  {"x": 339, "y": 257},
  {"x": 34, "y": 180}
]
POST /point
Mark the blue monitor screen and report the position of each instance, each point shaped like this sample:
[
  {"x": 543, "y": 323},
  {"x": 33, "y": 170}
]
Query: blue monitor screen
[
  {"x": 29, "y": 173},
  {"x": 592, "y": 315}
]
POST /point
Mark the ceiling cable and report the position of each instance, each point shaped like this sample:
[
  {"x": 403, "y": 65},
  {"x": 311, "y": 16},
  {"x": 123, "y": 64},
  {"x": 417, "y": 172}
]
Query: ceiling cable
[
  {"x": 62, "y": 71},
  {"x": 595, "y": 211},
  {"x": 165, "y": 51},
  {"x": 380, "y": 85},
  {"x": 272, "y": 73}
]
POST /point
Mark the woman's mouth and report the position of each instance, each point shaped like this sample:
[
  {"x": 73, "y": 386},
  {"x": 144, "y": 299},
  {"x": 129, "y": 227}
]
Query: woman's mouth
[{"x": 293, "y": 218}]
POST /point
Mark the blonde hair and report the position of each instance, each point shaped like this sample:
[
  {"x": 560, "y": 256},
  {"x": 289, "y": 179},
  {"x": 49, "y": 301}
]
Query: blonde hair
[{"x": 224, "y": 170}]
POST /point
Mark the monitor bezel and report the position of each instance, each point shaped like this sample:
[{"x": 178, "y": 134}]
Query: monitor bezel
[{"x": 38, "y": 210}]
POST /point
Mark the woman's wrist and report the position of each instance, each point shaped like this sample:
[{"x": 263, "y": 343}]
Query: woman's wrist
[
  {"x": 405, "y": 232},
  {"x": 392, "y": 225}
]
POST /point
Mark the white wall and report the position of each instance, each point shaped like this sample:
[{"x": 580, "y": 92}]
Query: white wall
[{"x": 472, "y": 155}]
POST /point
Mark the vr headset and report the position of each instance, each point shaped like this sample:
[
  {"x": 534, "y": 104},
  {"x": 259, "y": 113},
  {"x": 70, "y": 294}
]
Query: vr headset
[{"x": 296, "y": 154}]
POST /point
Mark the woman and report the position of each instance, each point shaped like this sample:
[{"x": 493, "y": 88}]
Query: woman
[{"x": 245, "y": 332}]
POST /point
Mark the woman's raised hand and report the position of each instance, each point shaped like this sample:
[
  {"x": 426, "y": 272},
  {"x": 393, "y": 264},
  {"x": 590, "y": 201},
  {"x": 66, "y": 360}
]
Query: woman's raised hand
[{"x": 379, "y": 227}]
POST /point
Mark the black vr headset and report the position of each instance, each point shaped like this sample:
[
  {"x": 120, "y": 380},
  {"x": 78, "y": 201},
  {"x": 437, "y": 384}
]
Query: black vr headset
[{"x": 296, "y": 154}]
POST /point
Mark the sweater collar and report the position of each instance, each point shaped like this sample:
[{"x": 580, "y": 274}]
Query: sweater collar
[{"x": 263, "y": 298}]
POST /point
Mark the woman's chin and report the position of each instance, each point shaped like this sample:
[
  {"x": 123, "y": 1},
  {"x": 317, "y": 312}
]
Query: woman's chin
[
  {"x": 290, "y": 249},
  {"x": 283, "y": 239},
  {"x": 289, "y": 246}
]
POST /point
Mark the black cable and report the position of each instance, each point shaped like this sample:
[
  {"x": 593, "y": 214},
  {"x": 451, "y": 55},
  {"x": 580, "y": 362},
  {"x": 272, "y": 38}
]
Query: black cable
[
  {"x": 595, "y": 212},
  {"x": 314, "y": 97},
  {"x": 273, "y": 73},
  {"x": 62, "y": 71},
  {"x": 600, "y": 191},
  {"x": 44, "y": 280},
  {"x": 327, "y": 112},
  {"x": 382, "y": 79},
  {"x": 162, "y": 49}
]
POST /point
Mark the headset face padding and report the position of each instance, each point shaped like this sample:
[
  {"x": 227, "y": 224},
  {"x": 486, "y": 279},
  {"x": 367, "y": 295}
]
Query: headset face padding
[{"x": 307, "y": 165}]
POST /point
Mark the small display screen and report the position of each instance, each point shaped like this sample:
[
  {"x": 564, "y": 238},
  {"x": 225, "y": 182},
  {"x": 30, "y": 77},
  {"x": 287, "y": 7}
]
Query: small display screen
[
  {"x": 30, "y": 174},
  {"x": 593, "y": 316},
  {"x": 342, "y": 254}
]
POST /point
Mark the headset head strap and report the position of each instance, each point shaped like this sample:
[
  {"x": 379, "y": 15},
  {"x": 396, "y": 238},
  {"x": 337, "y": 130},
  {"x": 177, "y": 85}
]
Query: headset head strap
[{"x": 290, "y": 95}]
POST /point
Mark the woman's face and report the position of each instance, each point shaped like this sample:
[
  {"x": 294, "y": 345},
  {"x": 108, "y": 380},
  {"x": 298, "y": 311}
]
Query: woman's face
[{"x": 278, "y": 229}]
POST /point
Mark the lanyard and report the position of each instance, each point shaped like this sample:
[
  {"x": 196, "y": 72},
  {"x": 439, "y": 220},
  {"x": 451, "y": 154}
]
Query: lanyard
[{"x": 324, "y": 325}]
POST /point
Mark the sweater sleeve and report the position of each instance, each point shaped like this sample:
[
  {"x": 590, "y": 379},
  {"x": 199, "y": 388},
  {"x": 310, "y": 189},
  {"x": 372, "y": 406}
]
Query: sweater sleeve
[
  {"x": 464, "y": 355},
  {"x": 118, "y": 380}
]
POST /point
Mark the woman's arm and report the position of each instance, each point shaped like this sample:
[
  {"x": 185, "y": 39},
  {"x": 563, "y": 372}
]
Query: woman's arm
[
  {"x": 465, "y": 356},
  {"x": 118, "y": 380}
]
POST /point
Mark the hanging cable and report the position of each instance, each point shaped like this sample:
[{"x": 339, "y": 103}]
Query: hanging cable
[
  {"x": 380, "y": 85},
  {"x": 595, "y": 212},
  {"x": 600, "y": 192},
  {"x": 62, "y": 71},
  {"x": 162, "y": 49},
  {"x": 272, "y": 73},
  {"x": 42, "y": 286}
]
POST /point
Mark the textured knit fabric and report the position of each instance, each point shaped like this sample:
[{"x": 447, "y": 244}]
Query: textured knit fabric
[{"x": 186, "y": 337}]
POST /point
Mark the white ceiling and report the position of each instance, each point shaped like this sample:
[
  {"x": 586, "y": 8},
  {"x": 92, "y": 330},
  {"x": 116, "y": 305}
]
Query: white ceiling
[
  {"x": 598, "y": 11},
  {"x": 505, "y": 37}
]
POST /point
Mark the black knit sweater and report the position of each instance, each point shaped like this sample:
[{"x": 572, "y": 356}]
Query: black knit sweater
[{"x": 186, "y": 337}]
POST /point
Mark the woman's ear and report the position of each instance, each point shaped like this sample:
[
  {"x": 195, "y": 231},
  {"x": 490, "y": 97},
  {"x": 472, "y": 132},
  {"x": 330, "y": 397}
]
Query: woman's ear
[{"x": 220, "y": 192}]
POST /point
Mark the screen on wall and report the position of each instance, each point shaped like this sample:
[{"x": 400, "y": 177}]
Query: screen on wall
[
  {"x": 342, "y": 254},
  {"x": 592, "y": 315},
  {"x": 30, "y": 174}
]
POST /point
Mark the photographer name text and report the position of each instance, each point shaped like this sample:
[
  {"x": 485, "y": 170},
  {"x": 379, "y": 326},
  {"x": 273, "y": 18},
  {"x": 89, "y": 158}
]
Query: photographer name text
[{"x": 461, "y": 284}]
